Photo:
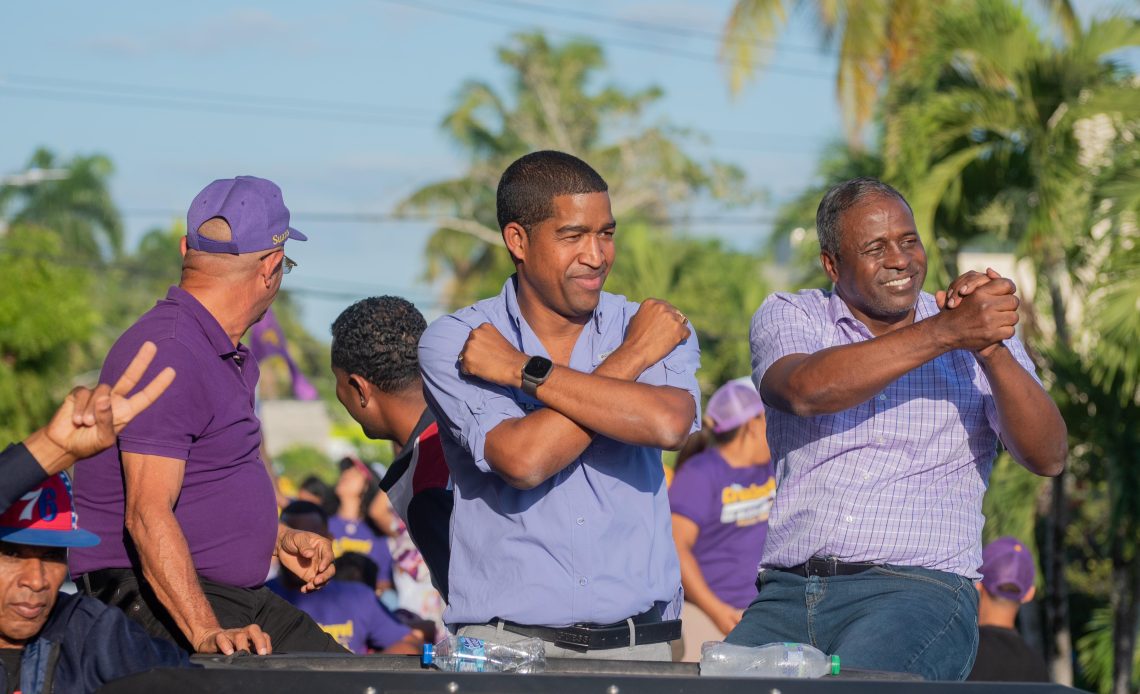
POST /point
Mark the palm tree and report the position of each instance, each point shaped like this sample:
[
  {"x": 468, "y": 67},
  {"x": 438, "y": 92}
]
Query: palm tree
[
  {"x": 874, "y": 40},
  {"x": 76, "y": 205},
  {"x": 553, "y": 105},
  {"x": 1007, "y": 135}
]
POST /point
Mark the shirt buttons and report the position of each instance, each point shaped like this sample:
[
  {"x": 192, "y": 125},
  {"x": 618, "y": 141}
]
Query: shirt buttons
[
  {"x": 881, "y": 440},
  {"x": 581, "y": 520},
  {"x": 882, "y": 396},
  {"x": 849, "y": 519},
  {"x": 866, "y": 475},
  {"x": 583, "y": 581}
]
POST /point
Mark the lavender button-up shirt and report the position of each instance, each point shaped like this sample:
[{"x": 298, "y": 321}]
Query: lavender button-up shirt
[
  {"x": 592, "y": 543},
  {"x": 897, "y": 479}
]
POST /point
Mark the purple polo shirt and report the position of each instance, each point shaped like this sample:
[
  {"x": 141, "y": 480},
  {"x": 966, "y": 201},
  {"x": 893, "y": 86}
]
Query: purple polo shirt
[
  {"x": 227, "y": 508},
  {"x": 349, "y": 612},
  {"x": 897, "y": 479},
  {"x": 730, "y": 506},
  {"x": 591, "y": 544}
]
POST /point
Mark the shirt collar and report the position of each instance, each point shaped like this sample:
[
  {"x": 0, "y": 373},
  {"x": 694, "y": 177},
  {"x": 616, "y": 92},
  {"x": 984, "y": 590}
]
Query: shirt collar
[
  {"x": 838, "y": 310},
  {"x": 511, "y": 301},
  {"x": 210, "y": 326}
]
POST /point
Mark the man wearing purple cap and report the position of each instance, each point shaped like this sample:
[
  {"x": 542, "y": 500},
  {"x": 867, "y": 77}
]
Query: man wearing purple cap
[
  {"x": 885, "y": 409},
  {"x": 1008, "y": 573},
  {"x": 183, "y": 502},
  {"x": 52, "y": 641}
]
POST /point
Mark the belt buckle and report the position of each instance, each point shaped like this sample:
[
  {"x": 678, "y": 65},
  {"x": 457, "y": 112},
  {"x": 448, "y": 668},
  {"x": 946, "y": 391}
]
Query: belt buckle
[{"x": 826, "y": 567}]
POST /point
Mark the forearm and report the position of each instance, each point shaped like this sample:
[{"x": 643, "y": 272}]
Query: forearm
[
  {"x": 626, "y": 411},
  {"x": 52, "y": 457},
  {"x": 169, "y": 569},
  {"x": 839, "y": 378},
  {"x": 1032, "y": 427},
  {"x": 529, "y": 450}
]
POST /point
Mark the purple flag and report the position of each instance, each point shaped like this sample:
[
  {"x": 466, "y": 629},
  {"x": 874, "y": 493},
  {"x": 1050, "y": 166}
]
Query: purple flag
[{"x": 267, "y": 339}]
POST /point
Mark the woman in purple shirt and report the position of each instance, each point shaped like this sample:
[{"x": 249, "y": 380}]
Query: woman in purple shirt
[{"x": 720, "y": 499}]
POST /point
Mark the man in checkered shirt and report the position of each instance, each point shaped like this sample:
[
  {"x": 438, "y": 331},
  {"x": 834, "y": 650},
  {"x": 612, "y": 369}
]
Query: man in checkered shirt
[{"x": 886, "y": 406}]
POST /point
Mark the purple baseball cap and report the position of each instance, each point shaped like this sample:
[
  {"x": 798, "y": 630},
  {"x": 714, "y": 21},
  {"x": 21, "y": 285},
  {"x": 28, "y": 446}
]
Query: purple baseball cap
[
  {"x": 1007, "y": 569},
  {"x": 251, "y": 206},
  {"x": 46, "y": 517},
  {"x": 733, "y": 404}
]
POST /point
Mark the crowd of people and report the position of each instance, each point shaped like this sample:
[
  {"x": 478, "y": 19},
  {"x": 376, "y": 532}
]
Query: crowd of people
[{"x": 834, "y": 498}]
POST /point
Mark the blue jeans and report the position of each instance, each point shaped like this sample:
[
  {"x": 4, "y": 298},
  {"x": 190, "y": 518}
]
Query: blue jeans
[{"x": 892, "y": 618}]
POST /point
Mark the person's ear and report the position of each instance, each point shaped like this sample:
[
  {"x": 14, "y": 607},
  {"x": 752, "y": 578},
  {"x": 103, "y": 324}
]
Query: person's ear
[
  {"x": 361, "y": 387},
  {"x": 1030, "y": 595},
  {"x": 517, "y": 240},
  {"x": 830, "y": 265},
  {"x": 183, "y": 245}
]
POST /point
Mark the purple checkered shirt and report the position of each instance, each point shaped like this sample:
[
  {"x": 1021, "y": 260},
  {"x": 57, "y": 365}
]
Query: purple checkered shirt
[{"x": 897, "y": 479}]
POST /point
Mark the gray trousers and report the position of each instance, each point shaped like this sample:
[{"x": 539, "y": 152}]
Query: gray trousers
[{"x": 495, "y": 632}]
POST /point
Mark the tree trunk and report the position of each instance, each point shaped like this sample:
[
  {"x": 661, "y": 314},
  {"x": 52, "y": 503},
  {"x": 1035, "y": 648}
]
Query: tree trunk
[
  {"x": 1124, "y": 587},
  {"x": 1060, "y": 647}
]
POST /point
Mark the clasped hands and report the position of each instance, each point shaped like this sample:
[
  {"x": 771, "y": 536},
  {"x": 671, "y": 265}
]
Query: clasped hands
[{"x": 978, "y": 310}]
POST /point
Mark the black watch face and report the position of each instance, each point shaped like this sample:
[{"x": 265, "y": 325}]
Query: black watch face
[{"x": 537, "y": 368}]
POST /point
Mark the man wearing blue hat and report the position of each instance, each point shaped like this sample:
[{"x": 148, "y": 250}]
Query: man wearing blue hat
[
  {"x": 183, "y": 503},
  {"x": 52, "y": 641}
]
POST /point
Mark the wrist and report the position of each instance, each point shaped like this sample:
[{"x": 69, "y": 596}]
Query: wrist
[{"x": 51, "y": 456}]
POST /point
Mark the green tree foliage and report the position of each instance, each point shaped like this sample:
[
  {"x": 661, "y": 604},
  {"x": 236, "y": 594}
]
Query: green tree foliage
[
  {"x": 73, "y": 200},
  {"x": 46, "y": 320},
  {"x": 874, "y": 40},
  {"x": 553, "y": 105}
]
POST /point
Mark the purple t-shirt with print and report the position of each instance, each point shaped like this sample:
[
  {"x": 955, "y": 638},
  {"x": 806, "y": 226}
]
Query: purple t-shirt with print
[
  {"x": 357, "y": 536},
  {"x": 349, "y": 612},
  {"x": 226, "y": 508},
  {"x": 730, "y": 507}
]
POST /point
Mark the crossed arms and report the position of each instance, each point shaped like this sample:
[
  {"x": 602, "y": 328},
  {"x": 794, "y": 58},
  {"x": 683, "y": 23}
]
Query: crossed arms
[{"x": 527, "y": 450}]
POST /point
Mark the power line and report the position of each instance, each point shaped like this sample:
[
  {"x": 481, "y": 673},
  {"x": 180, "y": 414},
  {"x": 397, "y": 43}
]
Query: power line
[
  {"x": 335, "y": 217},
  {"x": 662, "y": 28},
  {"x": 636, "y": 45},
  {"x": 226, "y": 98}
]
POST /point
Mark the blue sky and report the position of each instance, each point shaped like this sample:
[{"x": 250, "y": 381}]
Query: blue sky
[{"x": 340, "y": 103}]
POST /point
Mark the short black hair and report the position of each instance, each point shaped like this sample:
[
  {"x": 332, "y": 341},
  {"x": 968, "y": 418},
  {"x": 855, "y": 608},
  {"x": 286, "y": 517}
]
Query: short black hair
[
  {"x": 529, "y": 185},
  {"x": 300, "y": 508},
  {"x": 842, "y": 197},
  {"x": 353, "y": 566},
  {"x": 320, "y": 489},
  {"x": 377, "y": 338}
]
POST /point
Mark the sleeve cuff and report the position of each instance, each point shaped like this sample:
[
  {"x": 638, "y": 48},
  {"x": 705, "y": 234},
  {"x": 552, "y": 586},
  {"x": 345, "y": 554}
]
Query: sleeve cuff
[{"x": 20, "y": 473}]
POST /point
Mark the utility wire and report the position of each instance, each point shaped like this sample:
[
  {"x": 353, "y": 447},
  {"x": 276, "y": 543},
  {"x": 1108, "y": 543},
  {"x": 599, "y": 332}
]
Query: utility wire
[
  {"x": 661, "y": 28},
  {"x": 620, "y": 43}
]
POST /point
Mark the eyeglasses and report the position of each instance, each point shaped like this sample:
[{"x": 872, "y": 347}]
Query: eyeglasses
[{"x": 286, "y": 265}]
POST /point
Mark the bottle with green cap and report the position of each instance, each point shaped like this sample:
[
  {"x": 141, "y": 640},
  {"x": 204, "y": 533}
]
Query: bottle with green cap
[{"x": 798, "y": 660}]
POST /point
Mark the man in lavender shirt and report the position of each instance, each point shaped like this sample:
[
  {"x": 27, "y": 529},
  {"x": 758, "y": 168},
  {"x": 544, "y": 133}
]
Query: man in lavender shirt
[
  {"x": 182, "y": 502},
  {"x": 554, "y": 400},
  {"x": 885, "y": 409}
]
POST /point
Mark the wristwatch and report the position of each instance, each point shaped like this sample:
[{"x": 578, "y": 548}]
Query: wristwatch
[{"x": 535, "y": 373}]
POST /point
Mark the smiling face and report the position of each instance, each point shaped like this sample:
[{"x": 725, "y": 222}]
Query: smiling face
[
  {"x": 564, "y": 260},
  {"x": 30, "y": 578},
  {"x": 881, "y": 264}
]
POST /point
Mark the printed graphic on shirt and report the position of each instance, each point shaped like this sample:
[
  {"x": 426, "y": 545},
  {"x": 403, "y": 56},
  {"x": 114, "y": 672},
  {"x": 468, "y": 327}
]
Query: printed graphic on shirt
[
  {"x": 744, "y": 506},
  {"x": 341, "y": 632},
  {"x": 351, "y": 544}
]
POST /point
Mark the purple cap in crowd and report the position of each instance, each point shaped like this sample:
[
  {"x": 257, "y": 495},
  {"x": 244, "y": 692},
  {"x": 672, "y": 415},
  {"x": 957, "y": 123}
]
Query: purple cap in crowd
[
  {"x": 1007, "y": 569},
  {"x": 251, "y": 206},
  {"x": 733, "y": 404}
]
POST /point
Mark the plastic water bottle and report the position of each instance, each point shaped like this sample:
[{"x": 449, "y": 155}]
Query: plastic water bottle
[
  {"x": 466, "y": 654},
  {"x": 771, "y": 660}
]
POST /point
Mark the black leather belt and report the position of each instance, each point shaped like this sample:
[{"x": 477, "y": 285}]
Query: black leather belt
[
  {"x": 826, "y": 567},
  {"x": 648, "y": 627}
]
